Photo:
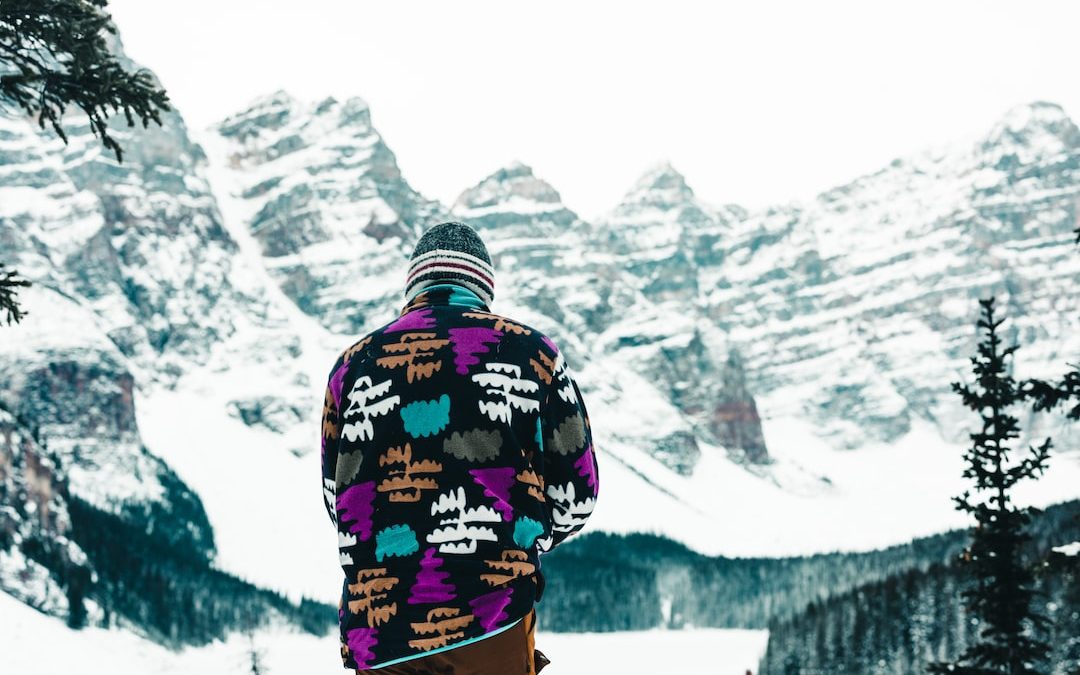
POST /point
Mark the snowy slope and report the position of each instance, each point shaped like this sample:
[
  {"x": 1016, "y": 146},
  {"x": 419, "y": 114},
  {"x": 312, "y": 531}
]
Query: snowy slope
[{"x": 30, "y": 639}]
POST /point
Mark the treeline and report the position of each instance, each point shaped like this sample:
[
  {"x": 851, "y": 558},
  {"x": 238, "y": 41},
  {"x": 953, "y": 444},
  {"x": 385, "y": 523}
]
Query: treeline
[
  {"x": 152, "y": 573},
  {"x": 604, "y": 582},
  {"x": 900, "y": 625},
  {"x": 169, "y": 593}
]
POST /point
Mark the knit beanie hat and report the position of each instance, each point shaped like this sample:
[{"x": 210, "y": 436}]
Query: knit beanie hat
[{"x": 451, "y": 252}]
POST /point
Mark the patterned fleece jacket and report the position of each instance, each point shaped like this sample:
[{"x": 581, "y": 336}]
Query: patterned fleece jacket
[{"x": 456, "y": 449}]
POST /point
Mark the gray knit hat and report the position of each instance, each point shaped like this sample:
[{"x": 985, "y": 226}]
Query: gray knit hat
[{"x": 451, "y": 252}]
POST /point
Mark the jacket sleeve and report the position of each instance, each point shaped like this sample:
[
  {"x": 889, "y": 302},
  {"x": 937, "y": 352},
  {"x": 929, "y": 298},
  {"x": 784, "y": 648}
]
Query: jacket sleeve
[
  {"x": 571, "y": 479},
  {"x": 331, "y": 432}
]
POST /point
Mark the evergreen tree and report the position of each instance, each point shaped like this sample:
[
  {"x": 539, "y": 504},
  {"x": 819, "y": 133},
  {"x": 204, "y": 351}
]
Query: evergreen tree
[
  {"x": 9, "y": 299},
  {"x": 1002, "y": 591}
]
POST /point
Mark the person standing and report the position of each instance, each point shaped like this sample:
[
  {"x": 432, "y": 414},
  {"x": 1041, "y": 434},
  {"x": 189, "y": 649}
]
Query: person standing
[{"x": 456, "y": 449}]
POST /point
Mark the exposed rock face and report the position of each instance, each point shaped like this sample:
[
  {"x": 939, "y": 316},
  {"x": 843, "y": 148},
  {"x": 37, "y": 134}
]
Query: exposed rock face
[
  {"x": 270, "y": 412},
  {"x": 662, "y": 233},
  {"x": 735, "y": 421},
  {"x": 35, "y": 526},
  {"x": 135, "y": 282},
  {"x": 512, "y": 202},
  {"x": 322, "y": 194}
]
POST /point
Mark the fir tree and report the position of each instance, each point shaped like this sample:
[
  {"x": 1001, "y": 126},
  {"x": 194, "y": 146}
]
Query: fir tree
[
  {"x": 1002, "y": 591},
  {"x": 9, "y": 299}
]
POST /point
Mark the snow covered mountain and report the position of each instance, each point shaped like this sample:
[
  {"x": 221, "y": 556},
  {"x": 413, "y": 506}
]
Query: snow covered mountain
[
  {"x": 773, "y": 382},
  {"x": 321, "y": 193},
  {"x": 663, "y": 233},
  {"x": 855, "y": 311}
]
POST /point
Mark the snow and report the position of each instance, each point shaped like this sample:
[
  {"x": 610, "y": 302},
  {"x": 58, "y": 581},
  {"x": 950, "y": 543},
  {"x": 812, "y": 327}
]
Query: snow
[
  {"x": 515, "y": 204},
  {"x": 30, "y": 641},
  {"x": 1072, "y": 549},
  {"x": 34, "y": 583},
  {"x": 264, "y": 502},
  {"x": 64, "y": 327},
  {"x": 812, "y": 499}
]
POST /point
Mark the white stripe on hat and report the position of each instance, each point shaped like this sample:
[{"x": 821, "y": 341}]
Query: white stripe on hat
[
  {"x": 451, "y": 253},
  {"x": 449, "y": 270}
]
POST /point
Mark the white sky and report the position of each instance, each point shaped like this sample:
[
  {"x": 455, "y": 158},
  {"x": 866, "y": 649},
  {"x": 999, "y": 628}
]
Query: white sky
[{"x": 757, "y": 103}]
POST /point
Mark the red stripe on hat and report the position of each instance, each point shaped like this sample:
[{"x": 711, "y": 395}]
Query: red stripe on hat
[{"x": 467, "y": 268}]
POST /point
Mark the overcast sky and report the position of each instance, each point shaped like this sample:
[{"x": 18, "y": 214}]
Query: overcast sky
[{"x": 757, "y": 103}]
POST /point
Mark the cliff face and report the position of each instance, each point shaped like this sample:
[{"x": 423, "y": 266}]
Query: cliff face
[
  {"x": 662, "y": 234},
  {"x": 35, "y": 527},
  {"x": 135, "y": 283},
  {"x": 322, "y": 195}
]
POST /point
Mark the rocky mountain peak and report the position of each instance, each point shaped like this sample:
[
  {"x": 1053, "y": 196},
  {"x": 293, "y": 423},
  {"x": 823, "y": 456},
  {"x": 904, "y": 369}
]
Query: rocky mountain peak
[
  {"x": 511, "y": 187},
  {"x": 661, "y": 217},
  {"x": 661, "y": 184},
  {"x": 515, "y": 169},
  {"x": 1040, "y": 127},
  {"x": 295, "y": 124},
  {"x": 271, "y": 111},
  {"x": 354, "y": 112},
  {"x": 316, "y": 179}
]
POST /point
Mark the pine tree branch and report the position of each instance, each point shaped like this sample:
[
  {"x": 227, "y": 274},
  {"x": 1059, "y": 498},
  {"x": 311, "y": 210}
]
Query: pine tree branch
[{"x": 56, "y": 54}]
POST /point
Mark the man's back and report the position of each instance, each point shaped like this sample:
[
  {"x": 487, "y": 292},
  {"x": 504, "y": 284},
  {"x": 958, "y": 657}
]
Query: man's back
[{"x": 456, "y": 447}]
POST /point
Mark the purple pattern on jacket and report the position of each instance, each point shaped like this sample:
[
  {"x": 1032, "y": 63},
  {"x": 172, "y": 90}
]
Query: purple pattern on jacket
[
  {"x": 360, "y": 641},
  {"x": 587, "y": 468},
  {"x": 336, "y": 381},
  {"x": 488, "y": 608},
  {"x": 497, "y": 482},
  {"x": 469, "y": 342},
  {"x": 419, "y": 319},
  {"x": 431, "y": 583},
  {"x": 357, "y": 503}
]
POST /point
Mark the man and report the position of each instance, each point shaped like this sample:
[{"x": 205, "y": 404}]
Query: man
[{"x": 456, "y": 449}]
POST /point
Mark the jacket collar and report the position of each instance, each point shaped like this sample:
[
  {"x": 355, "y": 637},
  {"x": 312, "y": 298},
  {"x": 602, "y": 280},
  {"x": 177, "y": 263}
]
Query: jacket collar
[{"x": 445, "y": 294}]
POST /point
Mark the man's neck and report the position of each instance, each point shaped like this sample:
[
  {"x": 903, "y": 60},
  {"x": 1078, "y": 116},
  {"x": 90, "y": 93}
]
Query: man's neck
[{"x": 445, "y": 294}]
